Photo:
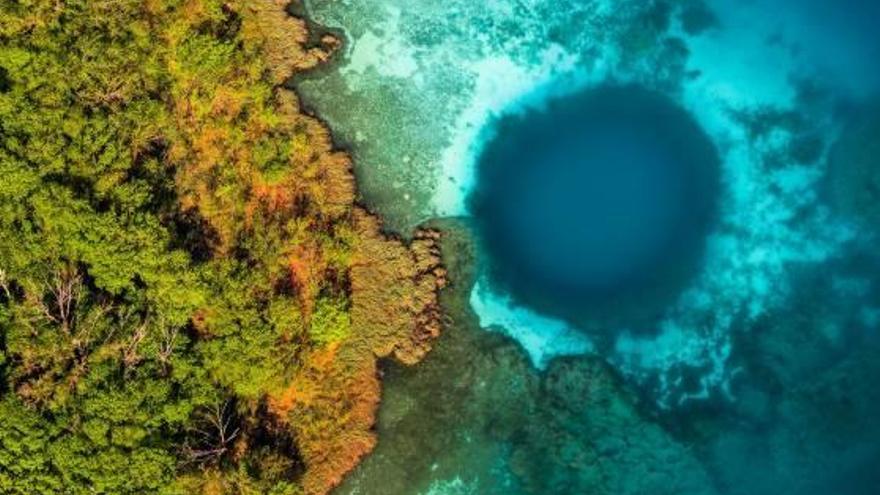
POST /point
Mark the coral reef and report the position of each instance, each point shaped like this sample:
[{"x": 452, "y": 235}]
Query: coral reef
[
  {"x": 588, "y": 436},
  {"x": 476, "y": 418}
]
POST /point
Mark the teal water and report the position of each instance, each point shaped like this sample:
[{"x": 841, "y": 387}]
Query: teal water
[
  {"x": 746, "y": 363},
  {"x": 603, "y": 198}
]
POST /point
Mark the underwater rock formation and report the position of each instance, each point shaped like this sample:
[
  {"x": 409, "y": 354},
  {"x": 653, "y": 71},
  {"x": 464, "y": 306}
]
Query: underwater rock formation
[{"x": 588, "y": 436}]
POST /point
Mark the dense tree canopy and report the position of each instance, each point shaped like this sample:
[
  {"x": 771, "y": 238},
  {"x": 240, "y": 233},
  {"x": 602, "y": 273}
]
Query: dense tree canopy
[{"x": 190, "y": 301}]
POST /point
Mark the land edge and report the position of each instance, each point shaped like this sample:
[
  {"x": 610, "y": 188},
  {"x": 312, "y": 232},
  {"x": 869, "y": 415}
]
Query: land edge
[{"x": 412, "y": 260}]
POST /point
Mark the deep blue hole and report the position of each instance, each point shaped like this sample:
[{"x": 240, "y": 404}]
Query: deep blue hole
[{"x": 597, "y": 205}]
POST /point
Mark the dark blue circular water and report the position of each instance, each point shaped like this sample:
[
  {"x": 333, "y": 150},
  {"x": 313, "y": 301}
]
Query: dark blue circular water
[{"x": 602, "y": 197}]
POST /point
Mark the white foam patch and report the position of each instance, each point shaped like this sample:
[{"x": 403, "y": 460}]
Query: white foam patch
[
  {"x": 673, "y": 346},
  {"x": 454, "y": 486},
  {"x": 542, "y": 337}
]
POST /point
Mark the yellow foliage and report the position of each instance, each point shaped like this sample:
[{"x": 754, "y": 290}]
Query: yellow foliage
[{"x": 305, "y": 199}]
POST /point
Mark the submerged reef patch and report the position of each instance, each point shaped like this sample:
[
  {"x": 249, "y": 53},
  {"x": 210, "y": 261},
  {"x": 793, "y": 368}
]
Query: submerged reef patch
[{"x": 599, "y": 199}]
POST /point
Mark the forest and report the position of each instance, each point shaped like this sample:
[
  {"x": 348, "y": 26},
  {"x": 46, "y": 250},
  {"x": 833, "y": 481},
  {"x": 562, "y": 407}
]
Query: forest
[{"x": 191, "y": 298}]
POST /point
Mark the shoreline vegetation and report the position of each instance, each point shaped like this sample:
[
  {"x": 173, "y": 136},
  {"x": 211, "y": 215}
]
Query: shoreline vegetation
[{"x": 191, "y": 298}]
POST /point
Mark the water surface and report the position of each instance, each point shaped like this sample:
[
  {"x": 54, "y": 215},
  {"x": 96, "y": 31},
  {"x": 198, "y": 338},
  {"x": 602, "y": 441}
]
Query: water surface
[
  {"x": 601, "y": 198},
  {"x": 751, "y": 372}
]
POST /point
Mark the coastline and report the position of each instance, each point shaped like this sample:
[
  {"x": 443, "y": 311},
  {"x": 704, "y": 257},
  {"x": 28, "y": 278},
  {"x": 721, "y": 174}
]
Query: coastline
[{"x": 395, "y": 284}]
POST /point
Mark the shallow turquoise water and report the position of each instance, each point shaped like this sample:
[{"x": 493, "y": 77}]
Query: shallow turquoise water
[{"x": 754, "y": 373}]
